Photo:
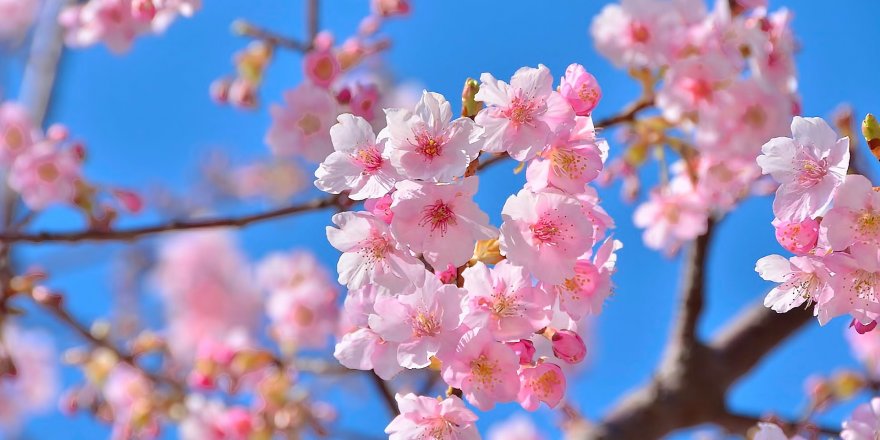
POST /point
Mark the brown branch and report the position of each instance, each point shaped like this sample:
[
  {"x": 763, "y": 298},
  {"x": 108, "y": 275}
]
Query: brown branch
[
  {"x": 387, "y": 394},
  {"x": 179, "y": 225},
  {"x": 247, "y": 29},
  {"x": 693, "y": 286},
  {"x": 313, "y": 15}
]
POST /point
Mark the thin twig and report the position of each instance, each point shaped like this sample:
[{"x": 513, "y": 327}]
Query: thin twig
[
  {"x": 247, "y": 29},
  {"x": 387, "y": 394}
]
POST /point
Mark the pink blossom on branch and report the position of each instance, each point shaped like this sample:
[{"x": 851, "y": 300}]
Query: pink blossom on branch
[
  {"x": 855, "y": 216},
  {"x": 543, "y": 382},
  {"x": 46, "y": 174},
  {"x": 809, "y": 167},
  {"x": 427, "y": 417},
  {"x": 301, "y": 127},
  {"x": 484, "y": 369},
  {"x": 520, "y": 117},
  {"x": 17, "y": 132}
]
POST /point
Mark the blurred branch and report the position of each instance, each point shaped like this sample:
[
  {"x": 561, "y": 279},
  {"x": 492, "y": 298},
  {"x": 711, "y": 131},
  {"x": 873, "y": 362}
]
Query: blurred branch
[
  {"x": 247, "y": 29},
  {"x": 387, "y": 394},
  {"x": 313, "y": 15},
  {"x": 693, "y": 286}
]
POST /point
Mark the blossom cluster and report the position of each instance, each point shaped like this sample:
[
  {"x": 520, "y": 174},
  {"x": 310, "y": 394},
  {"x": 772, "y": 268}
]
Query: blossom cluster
[
  {"x": 829, "y": 220},
  {"x": 117, "y": 23},
  {"x": 431, "y": 283},
  {"x": 18, "y": 16},
  {"x": 28, "y": 376},
  {"x": 724, "y": 83}
]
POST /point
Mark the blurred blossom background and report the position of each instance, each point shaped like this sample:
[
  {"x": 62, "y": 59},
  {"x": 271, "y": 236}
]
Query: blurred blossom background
[{"x": 150, "y": 123}]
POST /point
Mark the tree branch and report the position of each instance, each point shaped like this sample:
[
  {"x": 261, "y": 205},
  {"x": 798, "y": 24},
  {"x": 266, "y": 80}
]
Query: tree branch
[
  {"x": 385, "y": 391},
  {"x": 693, "y": 286},
  {"x": 247, "y": 29}
]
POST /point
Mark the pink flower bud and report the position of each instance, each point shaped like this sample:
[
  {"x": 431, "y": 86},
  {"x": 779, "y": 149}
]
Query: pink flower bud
[
  {"x": 324, "y": 41},
  {"x": 568, "y": 346},
  {"x": 449, "y": 275},
  {"x": 129, "y": 200},
  {"x": 220, "y": 90},
  {"x": 863, "y": 328},
  {"x": 380, "y": 207},
  {"x": 321, "y": 67},
  {"x": 797, "y": 237},
  {"x": 57, "y": 132},
  {"x": 523, "y": 348},
  {"x": 388, "y": 8},
  {"x": 143, "y": 10},
  {"x": 343, "y": 96},
  {"x": 243, "y": 94},
  {"x": 580, "y": 89},
  {"x": 363, "y": 101}
]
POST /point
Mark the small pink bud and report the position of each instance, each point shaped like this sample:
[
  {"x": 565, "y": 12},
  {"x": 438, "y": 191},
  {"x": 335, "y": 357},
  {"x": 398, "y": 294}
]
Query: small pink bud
[
  {"x": 243, "y": 94},
  {"x": 363, "y": 101},
  {"x": 449, "y": 275},
  {"x": 79, "y": 151},
  {"x": 523, "y": 348},
  {"x": 220, "y": 90},
  {"x": 389, "y": 8},
  {"x": 57, "y": 132},
  {"x": 344, "y": 96},
  {"x": 321, "y": 67},
  {"x": 568, "y": 346},
  {"x": 580, "y": 89},
  {"x": 797, "y": 237},
  {"x": 863, "y": 328},
  {"x": 380, "y": 207},
  {"x": 324, "y": 41},
  {"x": 143, "y": 10},
  {"x": 129, "y": 200}
]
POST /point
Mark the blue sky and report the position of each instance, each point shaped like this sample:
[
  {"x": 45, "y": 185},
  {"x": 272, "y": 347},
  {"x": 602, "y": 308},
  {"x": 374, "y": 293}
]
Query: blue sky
[{"x": 147, "y": 119}]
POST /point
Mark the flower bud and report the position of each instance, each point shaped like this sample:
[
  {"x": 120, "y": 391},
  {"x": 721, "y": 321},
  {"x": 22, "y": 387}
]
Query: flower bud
[
  {"x": 863, "y": 328},
  {"x": 525, "y": 349},
  {"x": 243, "y": 94},
  {"x": 568, "y": 346},
  {"x": 448, "y": 276},
  {"x": 871, "y": 131},
  {"x": 469, "y": 105},
  {"x": 797, "y": 237},
  {"x": 220, "y": 90},
  {"x": 143, "y": 10}
]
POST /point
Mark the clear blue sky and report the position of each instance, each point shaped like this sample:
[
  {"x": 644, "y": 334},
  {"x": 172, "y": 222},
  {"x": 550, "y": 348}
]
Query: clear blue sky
[{"x": 147, "y": 119}]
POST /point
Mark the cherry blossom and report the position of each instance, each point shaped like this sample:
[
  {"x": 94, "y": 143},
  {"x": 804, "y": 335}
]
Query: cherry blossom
[
  {"x": 585, "y": 292},
  {"x": 637, "y": 33},
  {"x": 423, "y": 322},
  {"x": 17, "y": 131},
  {"x": 32, "y": 388},
  {"x": 439, "y": 221},
  {"x": 360, "y": 163},
  {"x": 483, "y": 368},
  {"x": 545, "y": 233},
  {"x": 544, "y": 382},
  {"x": 691, "y": 86},
  {"x": 671, "y": 216},
  {"x": 301, "y": 127},
  {"x": 568, "y": 346},
  {"x": 517, "y": 427},
  {"x": 855, "y": 217},
  {"x": 864, "y": 423},
  {"x": 809, "y": 167},
  {"x": 427, "y": 144},
  {"x": 426, "y": 417},
  {"x": 569, "y": 161},
  {"x": 520, "y": 116},
  {"x": 797, "y": 237},
  {"x": 503, "y": 301},
  {"x": 803, "y": 279},
  {"x": 580, "y": 89},
  {"x": 856, "y": 284},
  {"x": 370, "y": 254},
  {"x": 46, "y": 174}
]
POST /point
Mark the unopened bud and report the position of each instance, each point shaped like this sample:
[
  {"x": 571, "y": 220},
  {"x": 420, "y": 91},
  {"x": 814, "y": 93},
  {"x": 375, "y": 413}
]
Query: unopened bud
[
  {"x": 568, "y": 346},
  {"x": 469, "y": 104},
  {"x": 871, "y": 131},
  {"x": 241, "y": 27}
]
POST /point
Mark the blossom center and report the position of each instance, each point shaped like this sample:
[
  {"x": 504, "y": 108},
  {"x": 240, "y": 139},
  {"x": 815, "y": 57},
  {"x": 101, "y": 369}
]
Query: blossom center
[
  {"x": 545, "y": 231},
  {"x": 483, "y": 370},
  {"x": 13, "y": 138},
  {"x": 754, "y": 116},
  {"x": 369, "y": 158},
  {"x": 699, "y": 89},
  {"x": 48, "y": 172},
  {"x": 546, "y": 383},
  {"x": 521, "y": 111},
  {"x": 868, "y": 223},
  {"x": 375, "y": 248},
  {"x": 438, "y": 215},
  {"x": 425, "y": 324},
  {"x": 567, "y": 163},
  {"x": 863, "y": 285},
  {"x": 812, "y": 171},
  {"x": 587, "y": 93},
  {"x": 639, "y": 32},
  {"x": 309, "y": 124},
  {"x": 429, "y": 146}
]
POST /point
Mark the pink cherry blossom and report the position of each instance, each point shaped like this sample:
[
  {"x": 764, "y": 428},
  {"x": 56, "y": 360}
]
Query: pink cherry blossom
[
  {"x": 743, "y": 117},
  {"x": 855, "y": 217},
  {"x": 672, "y": 215},
  {"x": 864, "y": 423},
  {"x": 483, "y": 369},
  {"x": 302, "y": 126},
  {"x": 525, "y": 349},
  {"x": 802, "y": 279},
  {"x": 301, "y": 305},
  {"x": 517, "y": 427},
  {"x": 637, "y": 33},
  {"x": 423, "y": 322},
  {"x": 17, "y": 130},
  {"x": 722, "y": 182},
  {"x": 107, "y": 21},
  {"x": 212, "y": 420},
  {"x": 360, "y": 164},
  {"x": 370, "y": 254},
  {"x": 772, "y": 45},
  {"x": 691, "y": 85},
  {"x": 856, "y": 284},
  {"x": 585, "y": 292},
  {"x": 545, "y": 233},
  {"x": 568, "y": 162},
  {"x": 427, "y": 144},
  {"x": 364, "y": 349},
  {"x": 390, "y": 8},
  {"x": 46, "y": 174},
  {"x": 503, "y": 301},
  {"x": 381, "y": 208},
  {"x": 34, "y": 386},
  {"x": 364, "y": 98},
  {"x": 440, "y": 221},
  {"x": 544, "y": 382},
  {"x": 580, "y": 89},
  {"x": 568, "y": 346},
  {"x": 809, "y": 167},
  {"x": 321, "y": 67},
  {"x": 797, "y": 237},
  {"x": 521, "y": 116},
  {"x": 427, "y": 417},
  {"x": 18, "y": 16},
  {"x": 129, "y": 394},
  {"x": 206, "y": 287},
  {"x": 866, "y": 348}
]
